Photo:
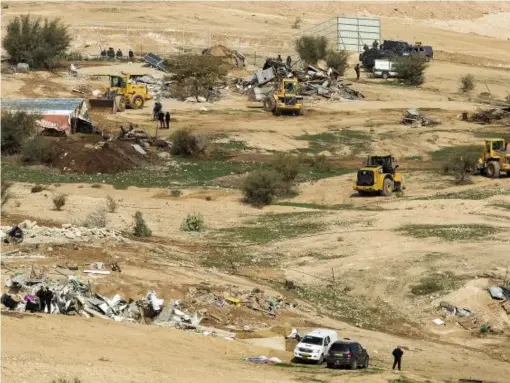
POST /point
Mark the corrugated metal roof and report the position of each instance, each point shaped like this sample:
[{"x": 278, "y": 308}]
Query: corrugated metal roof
[{"x": 42, "y": 105}]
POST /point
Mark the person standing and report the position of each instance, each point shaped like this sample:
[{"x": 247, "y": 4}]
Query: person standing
[
  {"x": 289, "y": 61},
  {"x": 397, "y": 358},
  {"x": 161, "y": 118},
  {"x": 42, "y": 301},
  {"x": 357, "y": 70},
  {"x": 131, "y": 54},
  {"x": 279, "y": 58},
  {"x": 48, "y": 297},
  {"x": 167, "y": 120}
]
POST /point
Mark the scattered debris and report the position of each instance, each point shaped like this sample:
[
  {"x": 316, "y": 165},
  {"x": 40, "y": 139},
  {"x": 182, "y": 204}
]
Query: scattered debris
[
  {"x": 156, "y": 62},
  {"x": 263, "y": 360},
  {"x": 236, "y": 58},
  {"x": 488, "y": 116},
  {"x": 438, "y": 322},
  {"x": 497, "y": 292},
  {"x": 416, "y": 119},
  {"x": 453, "y": 310}
]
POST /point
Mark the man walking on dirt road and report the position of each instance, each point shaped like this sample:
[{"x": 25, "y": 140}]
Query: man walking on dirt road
[
  {"x": 167, "y": 120},
  {"x": 397, "y": 358},
  {"x": 357, "y": 70}
]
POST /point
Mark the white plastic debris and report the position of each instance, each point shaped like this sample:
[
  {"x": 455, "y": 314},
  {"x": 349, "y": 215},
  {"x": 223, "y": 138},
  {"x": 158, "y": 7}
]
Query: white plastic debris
[{"x": 438, "y": 322}]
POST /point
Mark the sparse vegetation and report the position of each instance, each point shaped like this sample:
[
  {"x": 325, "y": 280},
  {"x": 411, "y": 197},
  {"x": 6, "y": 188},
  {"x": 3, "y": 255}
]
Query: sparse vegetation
[
  {"x": 176, "y": 193},
  {"x": 5, "y": 191},
  {"x": 59, "y": 201},
  {"x": 39, "y": 150},
  {"x": 65, "y": 380},
  {"x": 435, "y": 283},
  {"x": 16, "y": 128},
  {"x": 111, "y": 204},
  {"x": 465, "y": 232},
  {"x": 36, "y": 189},
  {"x": 411, "y": 69},
  {"x": 338, "y": 60},
  {"x": 288, "y": 166},
  {"x": 297, "y": 23},
  {"x": 195, "y": 75},
  {"x": 193, "y": 222},
  {"x": 470, "y": 194},
  {"x": 140, "y": 227},
  {"x": 187, "y": 143},
  {"x": 96, "y": 186},
  {"x": 37, "y": 43},
  {"x": 460, "y": 166},
  {"x": 261, "y": 187},
  {"x": 467, "y": 83},
  {"x": 311, "y": 49},
  {"x": 97, "y": 218}
]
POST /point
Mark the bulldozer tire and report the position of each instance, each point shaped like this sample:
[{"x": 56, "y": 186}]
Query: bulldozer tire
[
  {"x": 269, "y": 104},
  {"x": 493, "y": 169},
  {"x": 387, "y": 187},
  {"x": 137, "y": 101}
]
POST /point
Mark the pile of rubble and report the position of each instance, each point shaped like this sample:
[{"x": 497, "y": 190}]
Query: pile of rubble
[
  {"x": 30, "y": 232},
  {"x": 236, "y": 58},
  {"x": 314, "y": 81},
  {"x": 414, "y": 118},
  {"x": 488, "y": 116}
]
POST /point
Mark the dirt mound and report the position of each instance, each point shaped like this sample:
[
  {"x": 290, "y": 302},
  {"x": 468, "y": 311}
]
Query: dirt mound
[{"x": 115, "y": 157}]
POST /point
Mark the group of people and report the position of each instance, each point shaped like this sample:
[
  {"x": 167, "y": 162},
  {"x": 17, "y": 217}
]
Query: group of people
[
  {"x": 41, "y": 302},
  {"x": 110, "y": 53},
  {"x": 159, "y": 115}
]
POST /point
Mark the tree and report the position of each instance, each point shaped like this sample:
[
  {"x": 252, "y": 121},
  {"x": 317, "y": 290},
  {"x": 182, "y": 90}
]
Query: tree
[
  {"x": 467, "y": 83},
  {"x": 410, "y": 69},
  {"x": 197, "y": 74},
  {"x": 39, "y": 44},
  {"x": 311, "y": 49},
  {"x": 338, "y": 61},
  {"x": 16, "y": 128}
]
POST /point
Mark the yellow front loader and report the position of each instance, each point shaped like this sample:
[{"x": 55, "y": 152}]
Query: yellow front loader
[
  {"x": 495, "y": 158},
  {"x": 379, "y": 175},
  {"x": 285, "y": 99}
]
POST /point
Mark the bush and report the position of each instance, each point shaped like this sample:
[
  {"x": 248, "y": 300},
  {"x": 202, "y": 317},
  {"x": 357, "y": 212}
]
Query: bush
[
  {"x": 36, "y": 189},
  {"x": 460, "y": 166},
  {"x": 59, "y": 201},
  {"x": 467, "y": 83},
  {"x": 185, "y": 143},
  {"x": 97, "y": 218},
  {"x": 410, "y": 69},
  {"x": 176, "y": 193},
  {"x": 319, "y": 162},
  {"x": 111, "y": 204},
  {"x": 193, "y": 222},
  {"x": 261, "y": 187},
  {"x": 311, "y": 49},
  {"x": 39, "y": 150},
  {"x": 297, "y": 23},
  {"x": 141, "y": 229},
  {"x": 195, "y": 75},
  {"x": 96, "y": 186},
  {"x": 288, "y": 166},
  {"x": 38, "y": 44},
  {"x": 16, "y": 128},
  {"x": 5, "y": 191},
  {"x": 338, "y": 60}
]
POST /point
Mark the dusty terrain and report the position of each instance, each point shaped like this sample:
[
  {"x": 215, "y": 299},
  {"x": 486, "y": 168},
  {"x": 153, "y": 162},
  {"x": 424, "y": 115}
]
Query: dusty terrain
[{"x": 355, "y": 260}]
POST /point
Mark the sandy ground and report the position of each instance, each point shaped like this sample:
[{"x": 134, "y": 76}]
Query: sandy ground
[{"x": 362, "y": 243}]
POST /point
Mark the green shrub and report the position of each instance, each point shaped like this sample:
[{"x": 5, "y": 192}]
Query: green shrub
[
  {"x": 176, "y": 193},
  {"x": 193, "y": 222},
  {"x": 260, "y": 187},
  {"x": 311, "y": 49},
  {"x": 97, "y": 218},
  {"x": 111, "y": 204},
  {"x": 460, "y": 166},
  {"x": 39, "y": 150},
  {"x": 39, "y": 44},
  {"x": 288, "y": 166},
  {"x": 338, "y": 60},
  {"x": 467, "y": 83},
  {"x": 186, "y": 143},
  {"x": 59, "y": 201},
  {"x": 141, "y": 229},
  {"x": 37, "y": 189},
  {"x": 411, "y": 69},
  {"x": 16, "y": 128}
]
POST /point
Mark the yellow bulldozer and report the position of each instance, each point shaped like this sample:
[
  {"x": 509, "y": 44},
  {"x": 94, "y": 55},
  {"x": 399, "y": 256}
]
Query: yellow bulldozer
[
  {"x": 123, "y": 92},
  {"x": 495, "y": 158},
  {"x": 379, "y": 175},
  {"x": 285, "y": 99}
]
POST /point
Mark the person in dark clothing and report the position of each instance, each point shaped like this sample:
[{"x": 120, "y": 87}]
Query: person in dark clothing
[
  {"x": 279, "y": 58},
  {"x": 42, "y": 301},
  {"x": 15, "y": 235},
  {"x": 289, "y": 61},
  {"x": 103, "y": 53},
  {"x": 161, "y": 118},
  {"x": 167, "y": 120},
  {"x": 48, "y": 296},
  {"x": 397, "y": 358},
  {"x": 155, "y": 111},
  {"x": 131, "y": 54},
  {"x": 119, "y": 54},
  {"x": 357, "y": 70},
  {"x": 8, "y": 301}
]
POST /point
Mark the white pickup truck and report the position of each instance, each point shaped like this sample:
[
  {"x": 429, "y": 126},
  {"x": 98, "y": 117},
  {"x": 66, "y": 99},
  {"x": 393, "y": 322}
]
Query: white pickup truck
[
  {"x": 384, "y": 68},
  {"x": 315, "y": 345}
]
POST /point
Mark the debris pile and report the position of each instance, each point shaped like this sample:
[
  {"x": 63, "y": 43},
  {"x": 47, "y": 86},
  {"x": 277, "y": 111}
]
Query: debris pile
[
  {"x": 32, "y": 233},
  {"x": 488, "y": 116},
  {"x": 313, "y": 82},
  {"x": 236, "y": 58},
  {"x": 414, "y": 118}
]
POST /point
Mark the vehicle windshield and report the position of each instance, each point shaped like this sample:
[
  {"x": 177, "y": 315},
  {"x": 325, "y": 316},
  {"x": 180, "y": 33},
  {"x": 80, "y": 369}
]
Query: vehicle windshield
[
  {"x": 289, "y": 87},
  {"x": 340, "y": 347},
  {"x": 312, "y": 340}
]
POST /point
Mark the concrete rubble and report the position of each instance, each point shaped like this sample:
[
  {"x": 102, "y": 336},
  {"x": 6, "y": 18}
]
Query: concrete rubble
[
  {"x": 32, "y": 233},
  {"x": 489, "y": 116},
  {"x": 235, "y": 58},
  {"x": 314, "y": 82},
  {"x": 414, "y": 118}
]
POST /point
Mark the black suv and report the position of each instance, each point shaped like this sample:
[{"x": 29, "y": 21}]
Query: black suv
[{"x": 347, "y": 354}]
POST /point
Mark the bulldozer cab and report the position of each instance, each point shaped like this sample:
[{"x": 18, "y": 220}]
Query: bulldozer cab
[
  {"x": 117, "y": 82},
  {"x": 289, "y": 86},
  {"x": 387, "y": 163},
  {"x": 495, "y": 145}
]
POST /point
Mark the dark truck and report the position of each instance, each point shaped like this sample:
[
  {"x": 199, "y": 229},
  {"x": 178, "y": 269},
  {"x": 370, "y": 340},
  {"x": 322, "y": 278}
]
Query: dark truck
[
  {"x": 347, "y": 354},
  {"x": 394, "y": 48}
]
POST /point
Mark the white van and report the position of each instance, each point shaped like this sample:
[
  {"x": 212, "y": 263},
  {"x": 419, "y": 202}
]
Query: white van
[
  {"x": 315, "y": 345},
  {"x": 384, "y": 68}
]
